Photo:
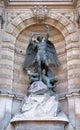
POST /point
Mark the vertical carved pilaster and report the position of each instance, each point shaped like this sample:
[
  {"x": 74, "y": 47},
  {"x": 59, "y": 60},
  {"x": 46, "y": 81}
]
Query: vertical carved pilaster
[
  {"x": 78, "y": 12},
  {"x": 1, "y": 14}
]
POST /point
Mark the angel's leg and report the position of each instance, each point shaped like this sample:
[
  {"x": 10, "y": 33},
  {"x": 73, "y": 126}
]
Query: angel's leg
[
  {"x": 39, "y": 67},
  {"x": 40, "y": 73},
  {"x": 46, "y": 67}
]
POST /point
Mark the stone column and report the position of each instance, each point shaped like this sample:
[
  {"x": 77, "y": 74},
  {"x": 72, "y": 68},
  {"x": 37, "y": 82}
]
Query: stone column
[
  {"x": 73, "y": 67},
  {"x": 1, "y": 23},
  {"x": 6, "y": 74},
  {"x": 78, "y": 12},
  {"x": 6, "y": 79},
  {"x": 3, "y": 98},
  {"x": 1, "y": 9},
  {"x": 77, "y": 95}
]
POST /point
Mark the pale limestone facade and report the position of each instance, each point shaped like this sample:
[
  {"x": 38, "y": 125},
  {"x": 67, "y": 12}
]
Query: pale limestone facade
[{"x": 17, "y": 21}]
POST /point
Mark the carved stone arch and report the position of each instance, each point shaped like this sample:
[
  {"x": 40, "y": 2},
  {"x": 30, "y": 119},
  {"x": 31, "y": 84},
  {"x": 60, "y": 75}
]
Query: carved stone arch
[{"x": 57, "y": 20}]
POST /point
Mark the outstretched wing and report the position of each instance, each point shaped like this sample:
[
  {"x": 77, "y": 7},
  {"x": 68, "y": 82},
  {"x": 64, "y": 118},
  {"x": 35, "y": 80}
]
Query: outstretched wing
[
  {"x": 52, "y": 55},
  {"x": 30, "y": 55}
]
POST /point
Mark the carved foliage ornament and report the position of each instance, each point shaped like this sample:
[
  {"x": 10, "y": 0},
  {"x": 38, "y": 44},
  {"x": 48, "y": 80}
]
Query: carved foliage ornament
[{"x": 40, "y": 12}]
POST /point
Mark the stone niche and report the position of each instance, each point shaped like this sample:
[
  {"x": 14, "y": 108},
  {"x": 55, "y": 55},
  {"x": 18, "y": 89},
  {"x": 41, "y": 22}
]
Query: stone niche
[{"x": 20, "y": 79}]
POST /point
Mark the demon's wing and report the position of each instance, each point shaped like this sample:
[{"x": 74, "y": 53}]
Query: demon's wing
[
  {"x": 30, "y": 55},
  {"x": 52, "y": 55}
]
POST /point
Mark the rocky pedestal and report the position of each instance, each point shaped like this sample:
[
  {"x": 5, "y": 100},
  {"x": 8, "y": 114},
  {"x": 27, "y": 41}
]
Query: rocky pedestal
[{"x": 40, "y": 110}]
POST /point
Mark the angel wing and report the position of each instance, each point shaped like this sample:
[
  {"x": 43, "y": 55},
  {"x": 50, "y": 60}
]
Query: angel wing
[
  {"x": 30, "y": 55},
  {"x": 52, "y": 55}
]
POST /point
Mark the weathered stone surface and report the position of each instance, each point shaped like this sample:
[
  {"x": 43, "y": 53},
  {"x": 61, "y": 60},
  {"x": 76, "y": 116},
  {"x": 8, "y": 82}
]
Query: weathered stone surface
[
  {"x": 25, "y": 16},
  {"x": 54, "y": 15},
  {"x": 64, "y": 21},
  {"x": 17, "y": 21},
  {"x": 41, "y": 106},
  {"x": 22, "y": 117},
  {"x": 71, "y": 28},
  {"x": 37, "y": 87},
  {"x": 10, "y": 28},
  {"x": 40, "y": 126}
]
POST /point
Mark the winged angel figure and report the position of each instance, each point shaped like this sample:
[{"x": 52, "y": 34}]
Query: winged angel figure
[{"x": 41, "y": 53}]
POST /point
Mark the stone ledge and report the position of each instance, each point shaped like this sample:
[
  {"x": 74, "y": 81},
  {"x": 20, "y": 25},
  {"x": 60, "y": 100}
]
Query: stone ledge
[
  {"x": 17, "y": 96},
  {"x": 21, "y": 117},
  {"x": 39, "y": 125}
]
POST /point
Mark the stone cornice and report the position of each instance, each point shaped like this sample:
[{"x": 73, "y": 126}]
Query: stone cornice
[
  {"x": 55, "y": 3},
  {"x": 19, "y": 96}
]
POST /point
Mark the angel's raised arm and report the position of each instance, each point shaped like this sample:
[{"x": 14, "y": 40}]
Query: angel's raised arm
[
  {"x": 48, "y": 32},
  {"x": 30, "y": 38}
]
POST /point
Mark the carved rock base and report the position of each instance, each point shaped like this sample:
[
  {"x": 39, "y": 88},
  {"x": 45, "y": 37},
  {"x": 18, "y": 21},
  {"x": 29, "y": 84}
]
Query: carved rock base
[{"x": 40, "y": 111}]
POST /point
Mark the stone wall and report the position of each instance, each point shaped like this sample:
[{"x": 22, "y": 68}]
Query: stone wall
[{"x": 14, "y": 37}]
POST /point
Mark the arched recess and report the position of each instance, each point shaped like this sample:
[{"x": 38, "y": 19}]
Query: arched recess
[{"x": 55, "y": 20}]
